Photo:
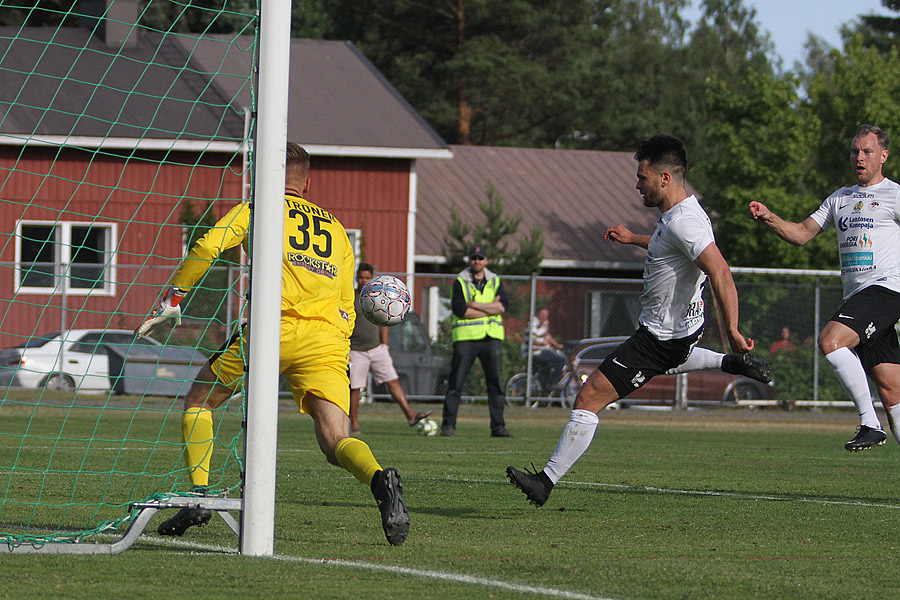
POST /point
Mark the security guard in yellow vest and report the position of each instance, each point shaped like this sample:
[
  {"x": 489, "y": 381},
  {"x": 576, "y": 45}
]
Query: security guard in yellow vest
[{"x": 478, "y": 304}]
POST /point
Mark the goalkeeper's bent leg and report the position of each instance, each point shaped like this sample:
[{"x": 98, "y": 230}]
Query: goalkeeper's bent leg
[
  {"x": 197, "y": 433},
  {"x": 355, "y": 455}
]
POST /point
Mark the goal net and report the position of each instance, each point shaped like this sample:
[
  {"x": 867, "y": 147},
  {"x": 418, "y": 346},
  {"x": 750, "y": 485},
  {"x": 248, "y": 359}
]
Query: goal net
[{"x": 122, "y": 139}]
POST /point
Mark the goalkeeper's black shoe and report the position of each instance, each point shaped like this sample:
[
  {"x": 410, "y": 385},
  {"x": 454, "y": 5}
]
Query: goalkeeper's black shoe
[
  {"x": 184, "y": 518},
  {"x": 536, "y": 486},
  {"x": 865, "y": 438},
  {"x": 744, "y": 363},
  {"x": 388, "y": 492}
]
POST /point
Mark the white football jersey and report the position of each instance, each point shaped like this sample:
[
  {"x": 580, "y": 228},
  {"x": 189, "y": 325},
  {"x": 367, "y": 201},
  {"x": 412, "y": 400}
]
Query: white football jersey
[
  {"x": 868, "y": 231},
  {"x": 672, "y": 298}
]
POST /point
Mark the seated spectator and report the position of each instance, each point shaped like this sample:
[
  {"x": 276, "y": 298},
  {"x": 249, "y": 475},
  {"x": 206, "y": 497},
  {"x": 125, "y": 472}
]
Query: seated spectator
[
  {"x": 548, "y": 363},
  {"x": 783, "y": 343}
]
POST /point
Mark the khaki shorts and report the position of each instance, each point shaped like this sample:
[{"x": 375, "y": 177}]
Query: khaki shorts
[
  {"x": 377, "y": 360},
  {"x": 314, "y": 358}
]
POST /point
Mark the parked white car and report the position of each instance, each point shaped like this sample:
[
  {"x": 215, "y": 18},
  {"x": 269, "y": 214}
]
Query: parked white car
[{"x": 74, "y": 359}]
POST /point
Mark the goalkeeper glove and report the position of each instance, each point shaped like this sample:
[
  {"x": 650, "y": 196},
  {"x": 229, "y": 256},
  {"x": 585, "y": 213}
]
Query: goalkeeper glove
[{"x": 167, "y": 309}]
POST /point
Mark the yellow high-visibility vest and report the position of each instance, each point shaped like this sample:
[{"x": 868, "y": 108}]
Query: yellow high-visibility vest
[{"x": 477, "y": 329}]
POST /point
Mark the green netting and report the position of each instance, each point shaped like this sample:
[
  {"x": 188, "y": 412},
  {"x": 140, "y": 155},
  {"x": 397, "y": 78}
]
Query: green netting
[{"x": 122, "y": 139}]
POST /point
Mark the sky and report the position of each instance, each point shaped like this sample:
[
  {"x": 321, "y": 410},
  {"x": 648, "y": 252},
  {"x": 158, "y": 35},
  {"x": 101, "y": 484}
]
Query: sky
[{"x": 788, "y": 21}]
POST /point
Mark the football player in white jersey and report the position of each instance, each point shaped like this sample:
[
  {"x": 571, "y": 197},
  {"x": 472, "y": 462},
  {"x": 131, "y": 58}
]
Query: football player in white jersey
[
  {"x": 860, "y": 338},
  {"x": 681, "y": 257}
]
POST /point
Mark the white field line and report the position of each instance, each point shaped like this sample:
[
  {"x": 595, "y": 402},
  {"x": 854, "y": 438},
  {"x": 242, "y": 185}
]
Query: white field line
[
  {"x": 643, "y": 488},
  {"x": 407, "y": 571},
  {"x": 710, "y": 493}
]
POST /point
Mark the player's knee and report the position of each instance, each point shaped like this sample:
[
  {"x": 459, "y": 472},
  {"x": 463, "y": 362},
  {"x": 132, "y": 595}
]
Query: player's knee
[
  {"x": 827, "y": 343},
  {"x": 596, "y": 393}
]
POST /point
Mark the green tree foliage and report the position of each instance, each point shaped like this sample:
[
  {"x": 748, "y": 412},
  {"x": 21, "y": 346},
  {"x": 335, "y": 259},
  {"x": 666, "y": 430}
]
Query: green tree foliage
[
  {"x": 494, "y": 230},
  {"x": 763, "y": 140},
  {"x": 654, "y": 76},
  {"x": 860, "y": 85},
  {"x": 727, "y": 41},
  {"x": 635, "y": 58},
  {"x": 501, "y": 72},
  {"x": 42, "y": 13},
  {"x": 199, "y": 16},
  {"x": 882, "y": 33}
]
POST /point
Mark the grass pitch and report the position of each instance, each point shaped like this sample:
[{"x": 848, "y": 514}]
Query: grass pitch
[{"x": 725, "y": 504}]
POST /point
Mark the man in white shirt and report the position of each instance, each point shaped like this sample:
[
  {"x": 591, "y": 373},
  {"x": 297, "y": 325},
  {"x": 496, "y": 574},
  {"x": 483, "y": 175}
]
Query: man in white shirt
[
  {"x": 860, "y": 338},
  {"x": 548, "y": 362},
  {"x": 681, "y": 255}
]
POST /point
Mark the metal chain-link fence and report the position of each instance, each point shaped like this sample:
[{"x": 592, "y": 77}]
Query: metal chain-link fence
[{"x": 781, "y": 310}]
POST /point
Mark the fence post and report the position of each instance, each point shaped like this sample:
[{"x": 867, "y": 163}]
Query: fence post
[
  {"x": 681, "y": 391},
  {"x": 530, "y": 341},
  {"x": 816, "y": 316}
]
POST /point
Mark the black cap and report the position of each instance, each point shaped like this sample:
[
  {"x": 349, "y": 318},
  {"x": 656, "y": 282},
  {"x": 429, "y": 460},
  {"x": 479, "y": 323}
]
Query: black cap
[{"x": 477, "y": 252}]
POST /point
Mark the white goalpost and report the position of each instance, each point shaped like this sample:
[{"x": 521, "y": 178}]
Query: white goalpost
[
  {"x": 145, "y": 452},
  {"x": 258, "y": 516}
]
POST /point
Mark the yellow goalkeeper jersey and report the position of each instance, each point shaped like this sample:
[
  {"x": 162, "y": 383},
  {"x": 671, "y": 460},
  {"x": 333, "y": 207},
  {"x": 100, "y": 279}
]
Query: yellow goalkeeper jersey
[{"x": 317, "y": 261}]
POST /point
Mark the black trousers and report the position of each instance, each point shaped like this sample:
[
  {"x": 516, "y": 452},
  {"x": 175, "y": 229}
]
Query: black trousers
[{"x": 490, "y": 352}]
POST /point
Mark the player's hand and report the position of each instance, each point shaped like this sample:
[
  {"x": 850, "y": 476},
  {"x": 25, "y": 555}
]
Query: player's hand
[
  {"x": 759, "y": 211},
  {"x": 620, "y": 234},
  {"x": 739, "y": 343},
  {"x": 168, "y": 309}
]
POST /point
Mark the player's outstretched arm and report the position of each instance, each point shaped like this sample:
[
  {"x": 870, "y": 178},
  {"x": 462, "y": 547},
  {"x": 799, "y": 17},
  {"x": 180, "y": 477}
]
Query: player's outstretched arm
[
  {"x": 228, "y": 232},
  {"x": 713, "y": 264},
  {"x": 791, "y": 232}
]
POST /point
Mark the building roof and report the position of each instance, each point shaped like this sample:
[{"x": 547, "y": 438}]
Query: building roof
[
  {"x": 573, "y": 195},
  {"x": 339, "y": 103},
  {"x": 65, "y": 85}
]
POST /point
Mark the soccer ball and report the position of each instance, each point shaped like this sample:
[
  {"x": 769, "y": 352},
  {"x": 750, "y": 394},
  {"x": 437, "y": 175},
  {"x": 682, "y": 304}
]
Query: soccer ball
[
  {"x": 384, "y": 300},
  {"x": 427, "y": 427}
]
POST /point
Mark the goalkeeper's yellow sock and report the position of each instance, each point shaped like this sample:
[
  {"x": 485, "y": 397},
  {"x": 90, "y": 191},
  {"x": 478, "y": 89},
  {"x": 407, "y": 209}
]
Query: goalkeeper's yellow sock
[
  {"x": 354, "y": 455},
  {"x": 197, "y": 432}
]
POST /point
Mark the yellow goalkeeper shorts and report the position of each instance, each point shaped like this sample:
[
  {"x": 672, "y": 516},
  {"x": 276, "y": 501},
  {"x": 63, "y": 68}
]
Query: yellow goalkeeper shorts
[{"x": 314, "y": 358}]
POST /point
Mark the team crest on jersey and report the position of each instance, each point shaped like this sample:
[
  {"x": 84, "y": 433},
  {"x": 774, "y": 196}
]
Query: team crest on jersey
[
  {"x": 874, "y": 205},
  {"x": 858, "y": 206}
]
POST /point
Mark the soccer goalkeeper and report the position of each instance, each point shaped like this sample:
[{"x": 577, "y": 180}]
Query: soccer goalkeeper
[{"x": 317, "y": 316}]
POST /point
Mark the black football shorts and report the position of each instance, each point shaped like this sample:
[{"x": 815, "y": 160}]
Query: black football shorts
[
  {"x": 872, "y": 313},
  {"x": 642, "y": 356}
]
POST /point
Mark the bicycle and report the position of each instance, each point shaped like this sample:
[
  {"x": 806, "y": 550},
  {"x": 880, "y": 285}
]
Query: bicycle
[{"x": 563, "y": 391}]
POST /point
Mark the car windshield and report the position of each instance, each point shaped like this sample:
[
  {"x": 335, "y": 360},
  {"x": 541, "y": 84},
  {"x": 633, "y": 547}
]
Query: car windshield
[{"x": 37, "y": 342}]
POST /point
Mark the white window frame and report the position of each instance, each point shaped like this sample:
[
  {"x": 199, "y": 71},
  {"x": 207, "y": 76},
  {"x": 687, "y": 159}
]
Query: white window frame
[
  {"x": 63, "y": 259},
  {"x": 354, "y": 235}
]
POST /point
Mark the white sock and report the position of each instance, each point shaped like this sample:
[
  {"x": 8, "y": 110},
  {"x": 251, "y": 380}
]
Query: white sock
[
  {"x": 894, "y": 421},
  {"x": 574, "y": 441},
  {"x": 700, "y": 359},
  {"x": 852, "y": 376}
]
